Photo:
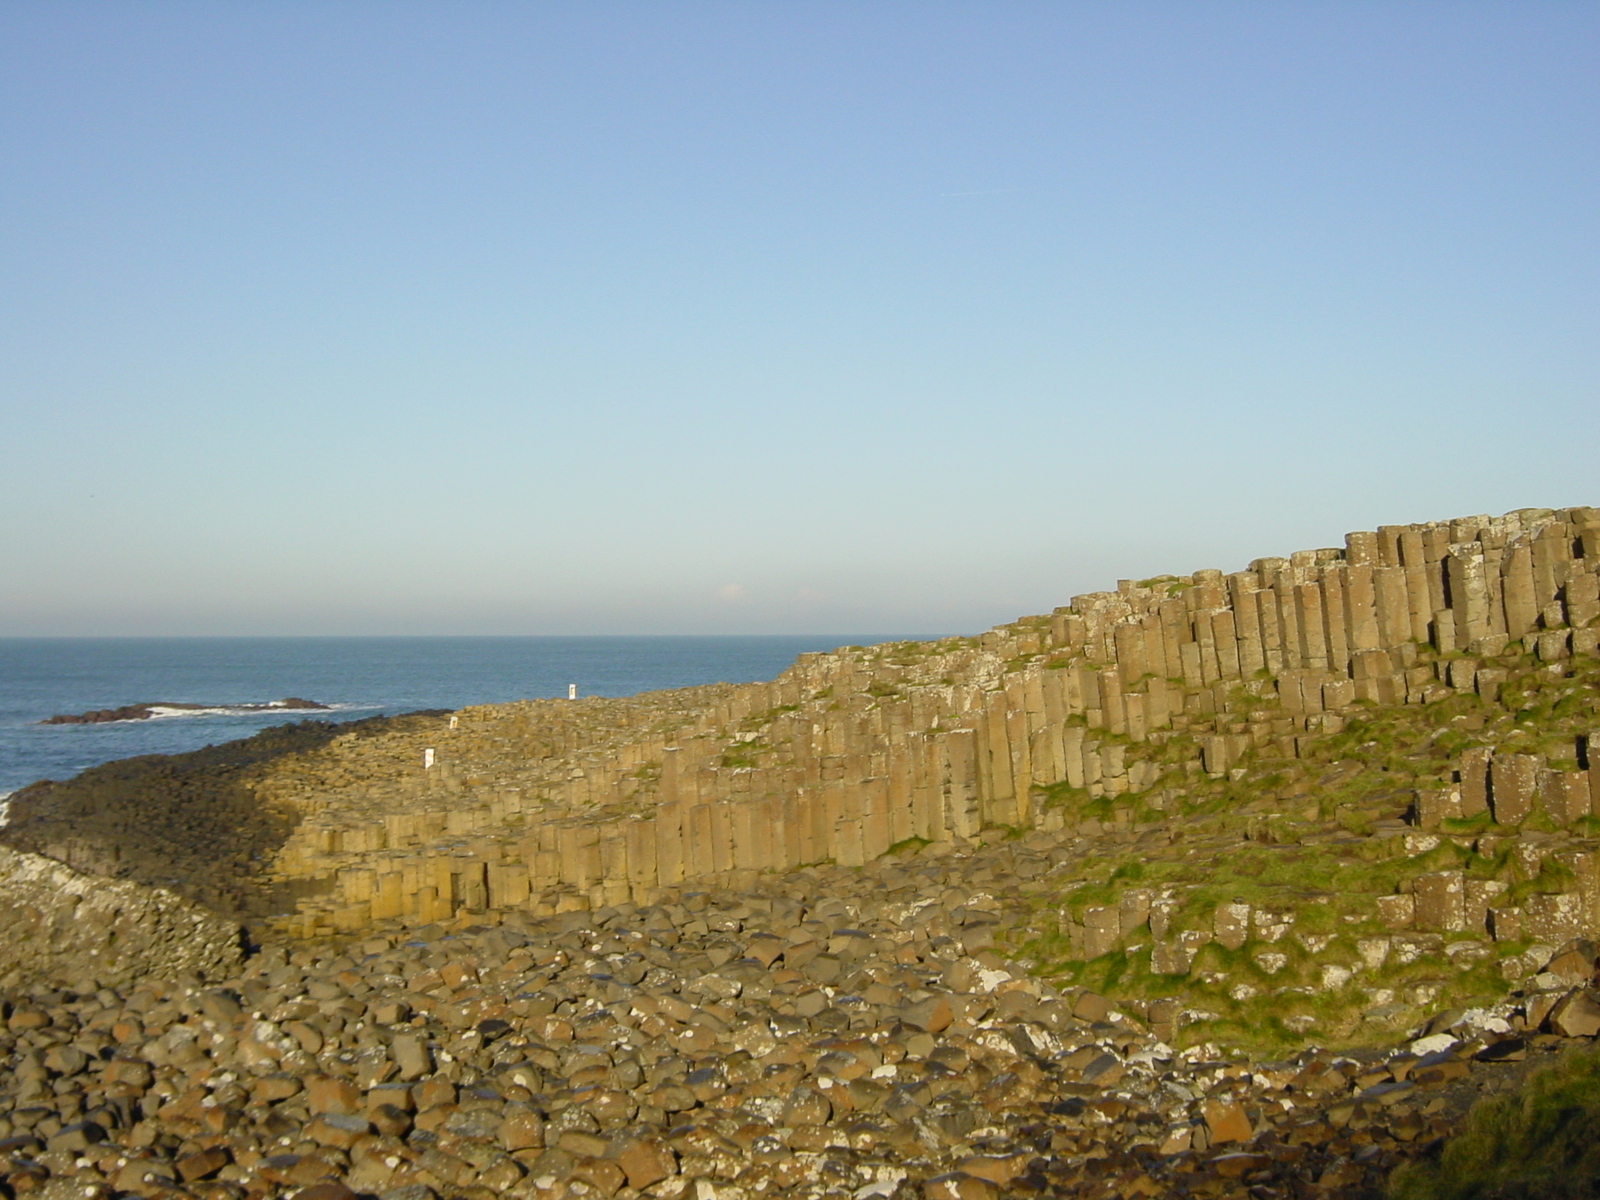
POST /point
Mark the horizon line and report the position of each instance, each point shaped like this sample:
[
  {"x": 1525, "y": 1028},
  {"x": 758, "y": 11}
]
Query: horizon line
[{"x": 197, "y": 637}]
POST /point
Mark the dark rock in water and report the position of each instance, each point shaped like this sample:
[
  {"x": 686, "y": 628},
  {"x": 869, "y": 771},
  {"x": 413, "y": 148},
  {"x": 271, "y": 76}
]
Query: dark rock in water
[
  {"x": 155, "y": 708},
  {"x": 128, "y": 712}
]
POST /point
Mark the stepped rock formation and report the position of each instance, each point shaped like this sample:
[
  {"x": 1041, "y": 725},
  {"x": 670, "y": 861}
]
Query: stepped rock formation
[
  {"x": 1187, "y": 713},
  {"x": 1122, "y": 700},
  {"x": 1077, "y": 907}
]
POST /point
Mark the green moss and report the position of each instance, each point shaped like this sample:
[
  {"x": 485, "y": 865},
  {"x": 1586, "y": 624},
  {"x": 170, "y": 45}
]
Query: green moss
[
  {"x": 1112, "y": 967},
  {"x": 758, "y": 720},
  {"x": 743, "y": 755},
  {"x": 1466, "y": 826},
  {"x": 908, "y": 845},
  {"x": 1553, "y": 877}
]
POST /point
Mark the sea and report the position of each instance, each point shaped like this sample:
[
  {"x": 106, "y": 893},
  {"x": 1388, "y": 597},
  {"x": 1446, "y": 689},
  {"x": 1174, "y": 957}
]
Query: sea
[{"x": 356, "y": 676}]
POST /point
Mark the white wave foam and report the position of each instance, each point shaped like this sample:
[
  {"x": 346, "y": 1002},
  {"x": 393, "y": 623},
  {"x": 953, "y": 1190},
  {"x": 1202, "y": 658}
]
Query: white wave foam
[
  {"x": 161, "y": 711},
  {"x": 5, "y": 808}
]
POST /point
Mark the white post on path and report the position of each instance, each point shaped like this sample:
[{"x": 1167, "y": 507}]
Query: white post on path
[
  {"x": 427, "y": 758},
  {"x": 572, "y": 691},
  {"x": 454, "y": 721}
]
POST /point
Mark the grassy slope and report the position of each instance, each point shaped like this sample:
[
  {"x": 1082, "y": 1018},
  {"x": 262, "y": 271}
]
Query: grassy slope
[
  {"x": 1543, "y": 1142},
  {"x": 1304, "y": 834}
]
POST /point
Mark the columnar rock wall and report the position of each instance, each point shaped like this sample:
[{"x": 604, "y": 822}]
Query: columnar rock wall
[{"x": 552, "y": 805}]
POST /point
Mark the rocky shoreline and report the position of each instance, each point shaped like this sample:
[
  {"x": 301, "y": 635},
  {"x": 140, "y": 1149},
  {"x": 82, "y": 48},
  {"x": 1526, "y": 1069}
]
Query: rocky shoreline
[
  {"x": 836, "y": 1033},
  {"x": 1241, "y": 885}
]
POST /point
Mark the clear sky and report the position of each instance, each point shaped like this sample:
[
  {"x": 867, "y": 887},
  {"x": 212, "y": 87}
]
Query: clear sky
[{"x": 769, "y": 316}]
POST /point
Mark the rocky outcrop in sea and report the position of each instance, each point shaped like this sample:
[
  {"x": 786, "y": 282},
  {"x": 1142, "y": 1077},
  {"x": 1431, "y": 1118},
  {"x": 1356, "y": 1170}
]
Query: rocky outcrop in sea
[{"x": 148, "y": 709}]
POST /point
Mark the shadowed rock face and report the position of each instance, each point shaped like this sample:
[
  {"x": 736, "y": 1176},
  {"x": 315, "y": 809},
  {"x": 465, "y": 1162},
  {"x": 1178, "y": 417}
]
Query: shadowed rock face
[
  {"x": 63, "y": 927},
  {"x": 187, "y": 822}
]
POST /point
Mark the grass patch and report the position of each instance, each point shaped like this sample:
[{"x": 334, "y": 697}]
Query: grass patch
[
  {"x": 1467, "y": 826},
  {"x": 743, "y": 755},
  {"x": 1543, "y": 1142}
]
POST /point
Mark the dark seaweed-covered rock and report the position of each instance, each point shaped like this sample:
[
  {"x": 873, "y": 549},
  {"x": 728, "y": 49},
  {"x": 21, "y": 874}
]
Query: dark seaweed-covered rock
[{"x": 146, "y": 709}]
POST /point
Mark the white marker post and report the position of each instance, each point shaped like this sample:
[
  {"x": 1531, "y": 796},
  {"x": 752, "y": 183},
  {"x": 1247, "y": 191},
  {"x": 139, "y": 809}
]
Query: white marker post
[
  {"x": 454, "y": 721},
  {"x": 572, "y": 691},
  {"x": 427, "y": 758}
]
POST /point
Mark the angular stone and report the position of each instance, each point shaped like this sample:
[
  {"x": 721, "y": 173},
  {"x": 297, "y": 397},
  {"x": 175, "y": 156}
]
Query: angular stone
[
  {"x": 1091, "y": 1006},
  {"x": 1434, "y": 805},
  {"x": 411, "y": 1056},
  {"x": 1576, "y": 1015},
  {"x": 390, "y": 1120},
  {"x": 66, "y": 1060},
  {"x": 646, "y": 1161},
  {"x": 807, "y": 1107},
  {"x": 1232, "y": 925},
  {"x": 338, "y": 1129},
  {"x": 933, "y": 1014},
  {"x": 1441, "y": 901},
  {"x": 1553, "y": 918},
  {"x": 202, "y": 1165},
  {"x": 766, "y": 949},
  {"x": 434, "y": 1093},
  {"x": 1574, "y": 963},
  {"x": 76, "y": 1137},
  {"x": 606, "y": 1176},
  {"x": 997, "y": 1170},
  {"x": 1226, "y": 1121},
  {"x": 140, "y": 1174},
  {"x": 1104, "y": 1070},
  {"x": 325, "y": 1094},
  {"x": 1397, "y": 912},
  {"x": 522, "y": 1128},
  {"x": 268, "y": 1090},
  {"x": 1102, "y": 930},
  {"x": 1513, "y": 785}
]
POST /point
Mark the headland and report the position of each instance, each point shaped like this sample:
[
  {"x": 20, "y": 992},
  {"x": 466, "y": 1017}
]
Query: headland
[{"x": 1208, "y": 885}]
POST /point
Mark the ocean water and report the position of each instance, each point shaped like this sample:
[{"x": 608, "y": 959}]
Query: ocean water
[{"x": 359, "y": 677}]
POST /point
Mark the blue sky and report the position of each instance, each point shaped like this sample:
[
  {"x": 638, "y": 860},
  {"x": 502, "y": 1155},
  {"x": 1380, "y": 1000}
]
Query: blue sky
[{"x": 769, "y": 317}]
